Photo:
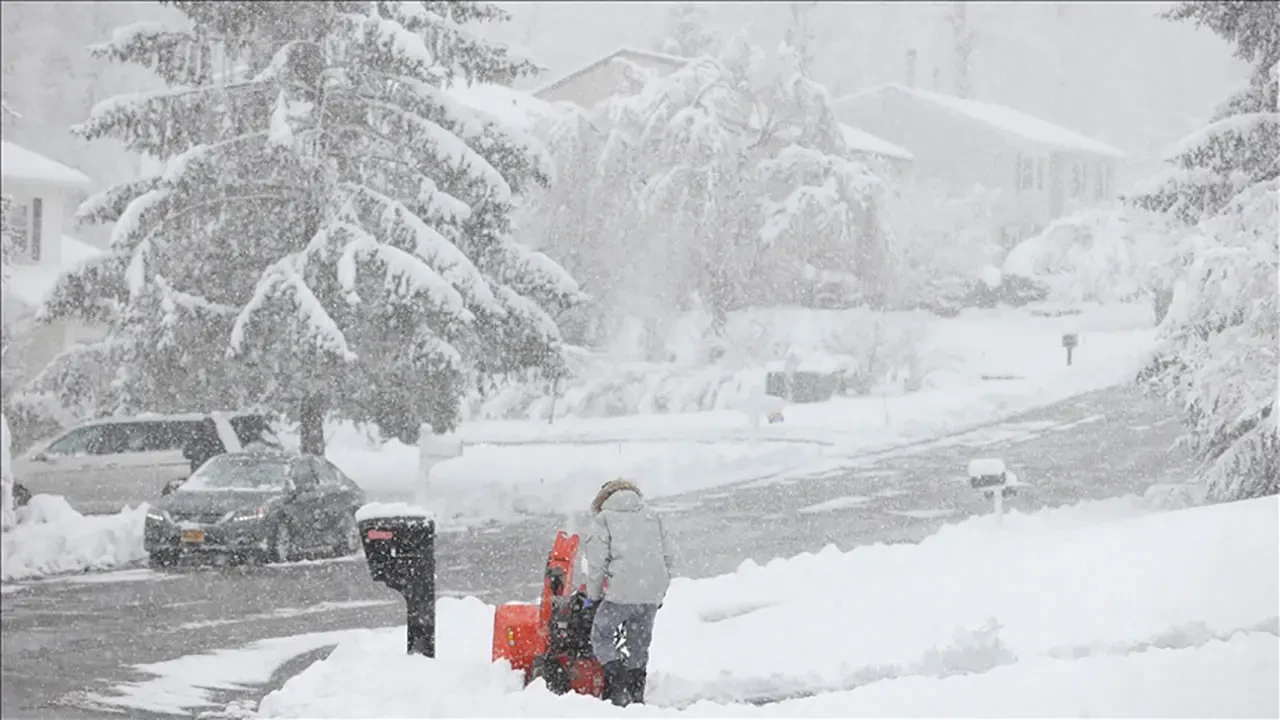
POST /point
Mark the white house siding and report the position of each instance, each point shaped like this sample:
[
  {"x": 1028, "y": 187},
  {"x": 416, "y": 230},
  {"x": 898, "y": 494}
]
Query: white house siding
[
  {"x": 23, "y": 194},
  {"x": 958, "y": 144}
]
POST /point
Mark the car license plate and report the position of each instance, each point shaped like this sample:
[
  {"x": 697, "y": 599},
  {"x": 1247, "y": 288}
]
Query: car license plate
[{"x": 193, "y": 536}]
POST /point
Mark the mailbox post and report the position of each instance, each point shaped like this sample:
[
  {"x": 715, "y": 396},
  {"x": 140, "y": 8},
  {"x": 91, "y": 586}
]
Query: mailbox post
[
  {"x": 399, "y": 546},
  {"x": 996, "y": 482},
  {"x": 1069, "y": 341}
]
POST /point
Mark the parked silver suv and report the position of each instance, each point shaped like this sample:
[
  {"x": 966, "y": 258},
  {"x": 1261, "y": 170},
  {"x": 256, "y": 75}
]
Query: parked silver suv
[{"x": 100, "y": 466}]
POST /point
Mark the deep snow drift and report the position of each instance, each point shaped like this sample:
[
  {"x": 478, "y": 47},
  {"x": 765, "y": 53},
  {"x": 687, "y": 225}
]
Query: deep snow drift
[
  {"x": 1098, "y": 609},
  {"x": 50, "y": 537}
]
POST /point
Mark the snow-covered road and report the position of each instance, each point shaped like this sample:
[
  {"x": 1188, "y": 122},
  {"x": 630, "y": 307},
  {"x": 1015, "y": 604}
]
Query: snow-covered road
[{"x": 68, "y": 638}]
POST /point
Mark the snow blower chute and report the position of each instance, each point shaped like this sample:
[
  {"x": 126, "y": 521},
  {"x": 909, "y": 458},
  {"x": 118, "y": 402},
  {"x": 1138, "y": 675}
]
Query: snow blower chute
[{"x": 552, "y": 640}]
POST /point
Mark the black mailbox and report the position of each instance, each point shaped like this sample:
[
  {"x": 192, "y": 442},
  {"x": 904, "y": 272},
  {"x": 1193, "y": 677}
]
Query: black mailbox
[
  {"x": 1070, "y": 341},
  {"x": 978, "y": 482},
  {"x": 400, "y": 551}
]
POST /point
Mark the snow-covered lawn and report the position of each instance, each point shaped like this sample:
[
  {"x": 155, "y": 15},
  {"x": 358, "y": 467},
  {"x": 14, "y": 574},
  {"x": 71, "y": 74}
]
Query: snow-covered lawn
[
  {"x": 50, "y": 537},
  {"x": 510, "y": 468},
  {"x": 499, "y": 483},
  {"x": 515, "y": 468},
  {"x": 1104, "y": 608}
]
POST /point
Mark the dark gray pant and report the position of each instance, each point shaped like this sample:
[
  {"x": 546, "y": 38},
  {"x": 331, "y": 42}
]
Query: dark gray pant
[{"x": 638, "y": 621}]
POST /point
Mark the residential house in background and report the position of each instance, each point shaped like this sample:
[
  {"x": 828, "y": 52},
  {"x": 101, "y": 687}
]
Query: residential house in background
[
  {"x": 44, "y": 195},
  {"x": 606, "y": 77},
  {"x": 881, "y": 154},
  {"x": 1042, "y": 170}
]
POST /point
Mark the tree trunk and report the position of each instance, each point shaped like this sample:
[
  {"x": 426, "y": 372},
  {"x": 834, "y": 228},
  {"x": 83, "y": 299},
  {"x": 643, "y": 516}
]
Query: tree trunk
[{"x": 311, "y": 414}]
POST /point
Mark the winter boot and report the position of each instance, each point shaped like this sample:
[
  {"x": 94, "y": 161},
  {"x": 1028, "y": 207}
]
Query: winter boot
[
  {"x": 616, "y": 684},
  {"x": 636, "y": 678}
]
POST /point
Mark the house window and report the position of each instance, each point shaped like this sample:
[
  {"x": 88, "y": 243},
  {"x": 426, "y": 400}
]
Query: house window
[
  {"x": 1039, "y": 173},
  {"x": 19, "y": 226},
  {"x": 1027, "y": 176},
  {"x": 1110, "y": 179},
  {"x": 37, "y": 228},
  {"x": 1078, "y": 180},
  {"x": 1099, "y": 184}
]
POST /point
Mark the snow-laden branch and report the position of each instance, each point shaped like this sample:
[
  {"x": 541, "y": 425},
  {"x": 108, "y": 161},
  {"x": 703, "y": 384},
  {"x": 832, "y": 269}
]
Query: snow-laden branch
[
  {"x": 283, "y": 281},
  {"x": 406, "y": 275},
  {"x": 394, "y": 220}
]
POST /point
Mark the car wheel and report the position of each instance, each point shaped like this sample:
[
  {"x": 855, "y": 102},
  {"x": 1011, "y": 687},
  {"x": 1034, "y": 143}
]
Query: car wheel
[
  {"x": 283, "y": 548},
  {"x": 162, "y": 558},
  {"x": 21, "y": 495},
  {"x": 349, "y": 542}
]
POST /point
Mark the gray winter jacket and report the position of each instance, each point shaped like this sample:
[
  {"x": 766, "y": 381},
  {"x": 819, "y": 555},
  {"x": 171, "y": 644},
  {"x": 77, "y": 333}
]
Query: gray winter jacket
[{"x": 628, "y": 545}]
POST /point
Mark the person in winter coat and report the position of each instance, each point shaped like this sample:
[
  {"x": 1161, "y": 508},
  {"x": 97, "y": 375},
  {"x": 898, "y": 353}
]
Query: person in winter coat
[
  {"x": 202, "y": 445},
  {"x": 628, "y": 571}
]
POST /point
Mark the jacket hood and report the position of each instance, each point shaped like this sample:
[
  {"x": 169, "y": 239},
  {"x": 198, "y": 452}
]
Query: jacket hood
[{"x": 618, "y": 495}]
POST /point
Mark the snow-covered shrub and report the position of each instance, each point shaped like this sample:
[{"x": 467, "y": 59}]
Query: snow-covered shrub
[
  {"x": 614, "y": 389},
  {"x": 940, "y": 244},
  {"x": 872, "y": 351},
  {"x": 1106, "y": 254},
  {"x": 1219, "y": 355}
]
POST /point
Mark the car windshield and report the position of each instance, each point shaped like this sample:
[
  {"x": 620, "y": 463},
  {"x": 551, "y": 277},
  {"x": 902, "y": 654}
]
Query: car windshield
[{"x": 238, "y": 472}]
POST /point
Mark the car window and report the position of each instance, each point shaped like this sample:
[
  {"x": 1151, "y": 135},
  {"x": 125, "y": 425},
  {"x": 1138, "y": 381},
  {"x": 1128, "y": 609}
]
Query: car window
[
  {"x": 239, "y": 473},
  {"x": 117, "y": 438},
  {"x": 81, "y": 441},
  {"x": 160, "y": 436}
]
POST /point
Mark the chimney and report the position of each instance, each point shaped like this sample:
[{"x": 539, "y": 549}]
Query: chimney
[{"x": 911, "y": 67}]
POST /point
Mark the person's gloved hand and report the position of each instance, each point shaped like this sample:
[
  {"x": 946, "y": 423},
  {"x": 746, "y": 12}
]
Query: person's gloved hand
[{"x": 587, "y": 602}]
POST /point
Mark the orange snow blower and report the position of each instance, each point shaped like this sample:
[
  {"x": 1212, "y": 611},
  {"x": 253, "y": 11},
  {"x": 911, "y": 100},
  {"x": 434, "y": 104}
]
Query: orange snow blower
[{"x": 552, "y": 640}]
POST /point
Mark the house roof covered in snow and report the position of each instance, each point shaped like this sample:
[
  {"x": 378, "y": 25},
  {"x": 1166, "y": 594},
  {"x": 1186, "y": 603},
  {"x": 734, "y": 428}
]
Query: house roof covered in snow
[
  {"x": 31, "y": 284},
  {"x": 863, "y": 141},
  {"x": 19, "y": 163},
  {"x": 515, "y": 107},
  {"x": 1002, "y": 118},
  {"x": 675, "y": 62}
]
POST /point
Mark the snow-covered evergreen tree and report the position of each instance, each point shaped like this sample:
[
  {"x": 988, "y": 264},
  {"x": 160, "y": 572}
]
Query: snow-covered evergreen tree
[
  {"x": 1219, "y": 353},
  {"x": 331, "y": 235},
  {"x": 686, "y": 31},
  {"x": 1241, "y": 144},
  {"x": 1219, "y": 356}
]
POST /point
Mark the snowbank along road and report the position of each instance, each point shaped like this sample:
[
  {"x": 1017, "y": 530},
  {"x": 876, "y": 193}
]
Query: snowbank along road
[{"x": 65, "y": 638}]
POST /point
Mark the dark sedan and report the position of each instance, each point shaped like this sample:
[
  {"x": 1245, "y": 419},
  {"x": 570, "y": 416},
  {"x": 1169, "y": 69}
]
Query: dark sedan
[{"x": 268, "y": 505}]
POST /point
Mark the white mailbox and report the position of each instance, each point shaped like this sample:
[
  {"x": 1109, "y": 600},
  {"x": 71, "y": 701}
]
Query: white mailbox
[{"x": 997, "y": 482}]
